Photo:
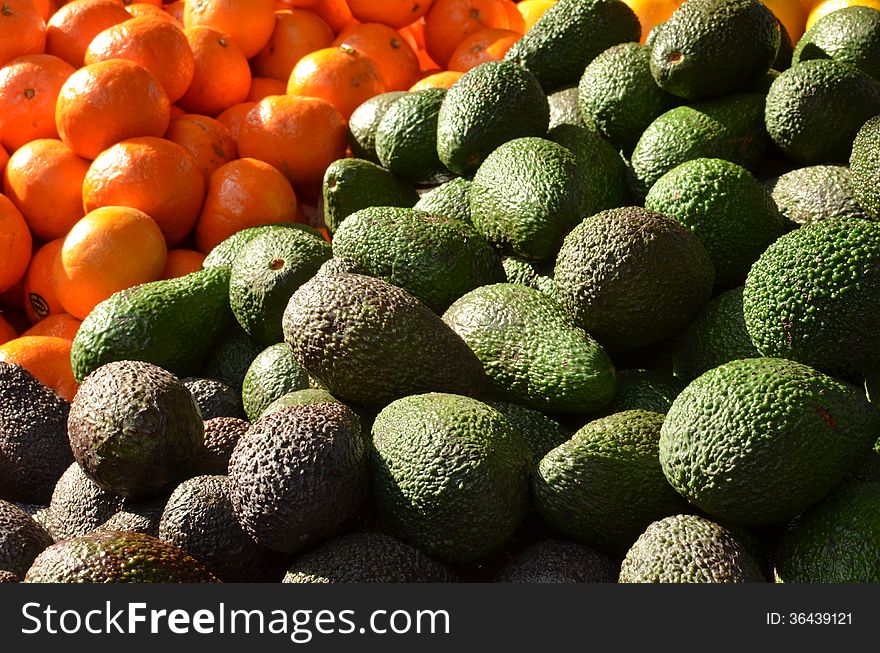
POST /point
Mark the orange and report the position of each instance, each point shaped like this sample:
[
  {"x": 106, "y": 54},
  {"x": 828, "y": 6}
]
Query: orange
[
  {"x": 107, "y": 102},
  {"x": 110, "y": 249},
  {"x": 397, "y": 61},
  {"x": 40, "y": 298},
  {"x": 73, "y": 26},
  {"x": 175, "y": 10},
  {"x": 248, "y": 22},
  {"x": 45, "y": 8},
  {"x": 300, "y": 136},
  {"x": 60, "y": 325},
  {"x": 342, "y": 76},
  {"x": 181, "y": 262},
  {"x": 209, "y": 143},
  {"x": 22, "y": 30},
  {"x": 449, "y": 22},
  {"x": 443, "y": 79},
  {"x": 234, "y": 116},
  {"x": 153, "y": 175},
  {"x": 335, "y": 13},
  {"x": 7, "y": 331},
  {"x": 515, "y": 21},
  {"x": 791, "y": 14},
  {"x": 532, "y": 10},
  {"x": 296, "y": 34},
  {"x": 394, "y": 13},
  {"x": 243, "y": 193},
  {"x": 142, "y": 9},
  {"x": 264, "y": 87},
  {"x": 298, "y": 3},
  {"x": 822, "y": 8},
  {"x": 222, "y": 75},
  {"x": 47, "y": 358},
  {"x": 480, "y": 47},
  {"x": 156, "y": 44},
  {"x": 29, "y": 88},
  {"x": 653, "y": 12},
  {"x": 15, "y": 244},
  {"x": 4, "y": 158},
  {"x": 44, "y": 180}
]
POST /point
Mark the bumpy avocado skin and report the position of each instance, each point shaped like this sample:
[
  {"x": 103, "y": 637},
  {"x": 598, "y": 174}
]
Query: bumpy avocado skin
[
  {"x": 21, "y": 539},
  {"x": 559, "y": 561},
  {"x": 814, "y": 193}
]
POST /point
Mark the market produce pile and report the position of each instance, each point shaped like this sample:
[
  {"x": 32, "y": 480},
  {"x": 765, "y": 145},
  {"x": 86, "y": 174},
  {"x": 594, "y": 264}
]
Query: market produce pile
[{"x": 462, "y": 290}]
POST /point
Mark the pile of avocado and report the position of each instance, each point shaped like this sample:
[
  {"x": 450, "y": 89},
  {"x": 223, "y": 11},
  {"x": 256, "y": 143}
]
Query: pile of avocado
[{"x": 602, "y": 312}]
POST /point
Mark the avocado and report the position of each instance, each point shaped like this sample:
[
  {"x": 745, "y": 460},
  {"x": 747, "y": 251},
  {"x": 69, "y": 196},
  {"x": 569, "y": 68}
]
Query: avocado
[
  {"x": 299, "y": 398},
  {"x": 221, "y": 436},
  {"x": 489, "y": 105},
  {"x": 569, "y": 35},
  {"x": 116, "y": 557},
  {"x": 785, "y": 52},
  {"x": 369, "y": 342},
  {"x": 363, "y": 123},
  {"x": 814, "y": 294},
  {"x": 836, "y": 541},
  {"x": 564, "y": 107},
  {"x": 630, "y": 276},
  {"x": 730, "y": 128},
  {"x": 137, "y": 517},
  {"x": 527, "y": 195},
  {"x": 601, "y": 165},
  {"x": 782, "y": 438},
  {"x": 710, "y": 48},
  {"x": 716, "y": 336},
  {"x": 224, "y": 253},
  {"x": 231, "y": 358},
  {"x": 354, "y": 184},
  {"x": 801, "y": 100},
  {"x": 450, "y": 475},
  {"x": 434, "y": 257},
  {"x": 725, "y": 206},
  {"x": 21, "y": 539},
  {"x": 650, "y": 390},
  {"x": 34, "y": 449},
  {"x": 604, "y": 486},
  {"x": 532, "y": 352},
  {"x": 215, "y": 399},
  {"x": 406, "y": 138},
  {"x": 273, "y": 374},
  {"x": 529, "y": 273},
  {"x": 559, "y": 561},
  {"x": 134, "y": 428},
  {"x": 451, "y": 199},
  {"x": 539, "y": 431},
  {"x": 814, "y": 193},
  {"x": 865, "y": 168},
  {"x": 173, "y": 323},
  {"x": 850, "y": 34},
  {"x": 79, "y": 505},
  {"x": 618, "y": 97},
  {"x": 199, "y": 519},
  {"x": 299, "y": 475},
  {"x": 688, "y": 549},
  {"x": 367, "y": 558}
]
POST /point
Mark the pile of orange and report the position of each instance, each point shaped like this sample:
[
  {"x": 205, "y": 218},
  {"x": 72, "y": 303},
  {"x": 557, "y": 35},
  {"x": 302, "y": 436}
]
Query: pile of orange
[{"x": 135, "y": 136}]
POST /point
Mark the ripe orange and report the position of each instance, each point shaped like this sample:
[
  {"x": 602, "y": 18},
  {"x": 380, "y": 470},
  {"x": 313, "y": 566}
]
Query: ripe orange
[
  {"x": 449, "y": 22},
  {"x": 22, "y": 30},
  {"x": 335, "y": 13},
  {"x": 443, "y": 79},
  {"x": 248, "y": 22},
  {"x": 7, "y": 331},
  {"x": 175, "y": 10},
  {"x": 73, "y": 26},
  {"x": 296, "y": 34},
  {"x": 44, "y": 180},
  {"x": 653, "y": 12},
  {"x": 298, "y": 3},
  {"x": 234, "y": 116},
  {"x": 209, "y": 143},
  {"x": 29, "y": 88},
  {"x": 300, "y": 136},
  {"x": 181, "y": 262},
  {"x": 45, "y": 8},
  {"x": 15, "y": 244},
  {"x": 156, "y": 44},
  {"x": 110, "y": 249},
  {"x": 4, "y": 158},
  {"x": 394, "y": 13},
  {"x": 153, "y": 175},
  {"x": 791, "y": 14},
  {"x": 222, "y": 76},
  {"x": 264, "y": 87},
  {"x": 480, "y": 47},
  {"x": 107, "y": 102},
  {"x": 60, "y": 325},
  {"x": 515, "y": 21},
  {"x": 532, "y": 10},
  {"x": 47, "y": 358},
  {"x": 342, "y": 76},
  {"x": 822, "y": 8},
  {"x": 243, "y": 193},
  {"x": 40, "y": 298},
  {"x": 389, "y": 50}
]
